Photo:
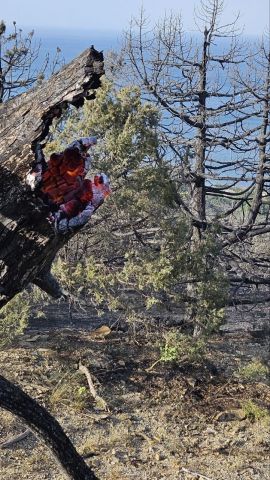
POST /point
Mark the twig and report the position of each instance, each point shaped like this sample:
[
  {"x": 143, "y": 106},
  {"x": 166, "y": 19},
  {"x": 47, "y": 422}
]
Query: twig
[
  {"x": 15, "y": 439},
  {"x": 153, "y": 365},
  {"x": 196, "y": 474},
  {"x": 97, "y": 398}
]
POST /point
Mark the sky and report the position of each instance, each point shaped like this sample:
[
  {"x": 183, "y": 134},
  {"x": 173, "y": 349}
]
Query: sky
[{"x": 114, "y": 15}]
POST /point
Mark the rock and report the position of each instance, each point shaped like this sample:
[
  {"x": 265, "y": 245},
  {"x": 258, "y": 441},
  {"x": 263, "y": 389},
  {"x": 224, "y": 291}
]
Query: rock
[
  {"x": 210, "y": 431},
  {"x": 100, "y": 332},
  {"x": 121, "y": 363}
]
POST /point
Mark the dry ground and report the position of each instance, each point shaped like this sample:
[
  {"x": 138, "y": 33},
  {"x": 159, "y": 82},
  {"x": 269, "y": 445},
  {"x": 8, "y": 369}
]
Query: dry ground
[{"x": 159, "y": 424}]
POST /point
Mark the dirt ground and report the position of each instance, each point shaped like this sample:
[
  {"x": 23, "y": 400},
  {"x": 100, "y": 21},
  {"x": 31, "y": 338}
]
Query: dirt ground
[{"x": 173, "y": 422}]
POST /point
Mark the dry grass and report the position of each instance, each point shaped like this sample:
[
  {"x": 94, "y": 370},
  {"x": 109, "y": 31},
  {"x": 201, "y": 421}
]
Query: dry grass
[{"x": 158, "y": 421}]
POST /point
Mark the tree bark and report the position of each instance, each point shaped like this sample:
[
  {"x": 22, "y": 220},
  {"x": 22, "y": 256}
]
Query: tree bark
[
  {"x": 28, "y": 243},
  {"x": 12, "y": 398}
]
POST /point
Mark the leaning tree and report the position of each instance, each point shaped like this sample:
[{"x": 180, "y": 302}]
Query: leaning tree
[{"x": 28, "y": 243}]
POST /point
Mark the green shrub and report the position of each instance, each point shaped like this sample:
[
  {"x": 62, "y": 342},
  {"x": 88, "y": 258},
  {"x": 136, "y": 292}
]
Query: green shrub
[
  {"x": 13, "y": 318},
  {"x": 254, "y": 370},
  {"x": 253, "y": 412},
  {"x": 179, "y": 347}
]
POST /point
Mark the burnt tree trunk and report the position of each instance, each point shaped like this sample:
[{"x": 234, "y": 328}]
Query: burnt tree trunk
[
  {"x": 28, "y": 243},
  {"x": 12, "y": 398}
]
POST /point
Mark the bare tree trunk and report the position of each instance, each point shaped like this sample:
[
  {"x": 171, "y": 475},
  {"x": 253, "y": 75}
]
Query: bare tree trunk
[
  {"x": 12, "y": 398},
  {"x": 28, "y": 243}
]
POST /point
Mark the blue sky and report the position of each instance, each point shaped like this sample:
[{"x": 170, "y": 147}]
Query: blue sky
[{"x": 114, "y": 15}]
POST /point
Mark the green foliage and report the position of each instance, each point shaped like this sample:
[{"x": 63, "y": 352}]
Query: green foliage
[
  {"x": 82, "y": 391},
  {"x": 140, "y": 252},
  {"x": 123, "y": 123},
  {"x": 69, "y": 276},
  {"x": 254, "y": 371},
  {"x": 180, "y": 348},
  {"x": 68, "y": 391},
  {"x": 14, "y": 318},
  {"x": 255, "y": 413}
]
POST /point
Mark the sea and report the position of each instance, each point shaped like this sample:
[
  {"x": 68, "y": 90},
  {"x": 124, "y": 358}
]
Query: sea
[{"x": 73, "y": 42}]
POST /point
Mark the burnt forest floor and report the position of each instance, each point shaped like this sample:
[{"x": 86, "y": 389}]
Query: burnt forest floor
[{"x": 166, "y": 423}]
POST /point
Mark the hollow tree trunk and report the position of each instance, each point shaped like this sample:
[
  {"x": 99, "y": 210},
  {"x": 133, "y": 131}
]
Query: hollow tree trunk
[
  {"x": 28, "y": 243},
  {"x": 12, "y": 398}
]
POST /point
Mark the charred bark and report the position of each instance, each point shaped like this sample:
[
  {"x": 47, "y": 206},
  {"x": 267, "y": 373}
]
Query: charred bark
[
  {"x": 12, "y": 398},
  {"x": 28, "y": 243}
]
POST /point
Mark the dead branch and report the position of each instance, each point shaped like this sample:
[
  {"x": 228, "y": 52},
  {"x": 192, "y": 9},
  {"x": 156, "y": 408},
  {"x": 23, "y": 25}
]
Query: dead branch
[
  {"x": 39, "y": 420},
  {"x": 17, "y": 438},
  {"x": 196, "y": 474},
  {"x": 99, "y": 400}
]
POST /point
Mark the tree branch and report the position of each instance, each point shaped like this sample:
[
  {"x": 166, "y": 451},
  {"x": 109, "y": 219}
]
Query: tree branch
[{"x": 39, "y": 420}]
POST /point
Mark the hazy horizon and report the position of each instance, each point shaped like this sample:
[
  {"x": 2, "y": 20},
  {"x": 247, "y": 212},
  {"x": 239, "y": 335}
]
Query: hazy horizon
[{"x": 106, "y": 15}]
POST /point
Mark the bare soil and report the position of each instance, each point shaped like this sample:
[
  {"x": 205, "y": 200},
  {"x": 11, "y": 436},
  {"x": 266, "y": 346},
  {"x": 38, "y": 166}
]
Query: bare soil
[{"x": 172, "y": 422}]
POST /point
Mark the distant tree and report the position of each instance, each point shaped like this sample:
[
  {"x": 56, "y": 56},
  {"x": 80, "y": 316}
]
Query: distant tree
[
  {"x": 215, "y": 115},
  {"x": 213, "y": 94},
  {"x": 20, "y": 64}
]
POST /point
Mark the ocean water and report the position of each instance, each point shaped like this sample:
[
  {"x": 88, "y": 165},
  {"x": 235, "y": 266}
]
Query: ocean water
[{"x": 73, "y": 42}]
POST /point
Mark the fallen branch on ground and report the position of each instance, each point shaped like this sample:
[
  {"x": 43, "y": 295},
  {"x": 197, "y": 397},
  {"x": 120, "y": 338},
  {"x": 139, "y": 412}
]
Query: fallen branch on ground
[
  {"x": 17, "y": 438},
  {"x": 99, "y": 400},
  {"x": 196, "y": 474}
]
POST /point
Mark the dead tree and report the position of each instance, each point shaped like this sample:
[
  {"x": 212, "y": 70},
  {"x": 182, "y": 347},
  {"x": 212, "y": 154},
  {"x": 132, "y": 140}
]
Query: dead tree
[
  {"x": 213, "y": 94},
  {"x": 18, "y": 61},
  {"x": 28, "y": 243}
]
